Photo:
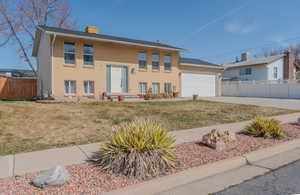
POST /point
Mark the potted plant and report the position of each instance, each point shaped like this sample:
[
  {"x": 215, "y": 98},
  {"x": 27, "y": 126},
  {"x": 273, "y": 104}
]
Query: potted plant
[
  {"x": 121, "y": 98},
  {"x": 195, "y": 96},
  {"x": 175, "y": 92},
  {"x": 148, "y": 96}
]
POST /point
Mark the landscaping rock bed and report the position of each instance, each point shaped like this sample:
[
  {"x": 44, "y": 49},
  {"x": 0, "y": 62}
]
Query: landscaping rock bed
[{"x": 88, "y": 179}]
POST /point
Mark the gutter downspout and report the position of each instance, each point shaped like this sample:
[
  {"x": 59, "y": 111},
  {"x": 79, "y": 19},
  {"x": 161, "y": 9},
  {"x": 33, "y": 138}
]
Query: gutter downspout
[{"x": 52, "y": 72}]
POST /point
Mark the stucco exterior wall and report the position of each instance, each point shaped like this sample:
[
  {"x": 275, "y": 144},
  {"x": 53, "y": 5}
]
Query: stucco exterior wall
[
  {"x": 44, "y": 87},
  {"x": 109, "y": 54}
]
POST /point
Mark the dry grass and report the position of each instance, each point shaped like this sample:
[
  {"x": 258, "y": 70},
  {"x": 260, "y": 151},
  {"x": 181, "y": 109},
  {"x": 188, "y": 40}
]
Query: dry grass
[{"x": 28, "y": 126}]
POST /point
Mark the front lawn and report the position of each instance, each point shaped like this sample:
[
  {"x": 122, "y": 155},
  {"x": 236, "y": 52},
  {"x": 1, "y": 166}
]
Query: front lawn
[{"x": 29, "y": 126}]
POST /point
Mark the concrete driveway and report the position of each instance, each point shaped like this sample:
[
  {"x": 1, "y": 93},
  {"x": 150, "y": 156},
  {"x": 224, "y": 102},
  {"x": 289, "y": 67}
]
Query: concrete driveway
[{"x": 293, "y": 104}]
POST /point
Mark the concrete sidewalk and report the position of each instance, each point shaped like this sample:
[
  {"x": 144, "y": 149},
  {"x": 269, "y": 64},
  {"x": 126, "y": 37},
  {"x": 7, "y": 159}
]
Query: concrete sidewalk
[
  {"x": 19, "y": 164},
  {"x": 291, "y": 104}
]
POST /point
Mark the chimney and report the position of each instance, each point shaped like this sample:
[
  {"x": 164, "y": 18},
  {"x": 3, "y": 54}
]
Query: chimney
[
  {"x": 92, "y": 30},
  {"x": 288, "y": 66},
  {"x": 245, "y": 56}
]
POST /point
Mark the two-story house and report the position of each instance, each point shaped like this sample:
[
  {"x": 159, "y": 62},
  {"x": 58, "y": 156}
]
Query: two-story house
[
  {"x": 76, "y": 63},
  {"x": 279, "y": 67}
]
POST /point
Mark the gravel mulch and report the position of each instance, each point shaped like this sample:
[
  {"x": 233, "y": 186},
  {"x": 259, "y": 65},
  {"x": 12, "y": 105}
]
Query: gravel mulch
[{"x": 88, "y": 179}]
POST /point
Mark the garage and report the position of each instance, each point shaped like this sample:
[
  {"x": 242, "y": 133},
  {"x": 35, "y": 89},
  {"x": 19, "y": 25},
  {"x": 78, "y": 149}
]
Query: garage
[{"x": 198, "y": 83}]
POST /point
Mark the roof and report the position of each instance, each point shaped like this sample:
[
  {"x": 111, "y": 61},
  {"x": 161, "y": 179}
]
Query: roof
[
  {"x": 100, "y": 37},
  {"x": 14, "y": 70},
  {"x": 255, "y": 61},
  {"x": 198, "y": 62}
]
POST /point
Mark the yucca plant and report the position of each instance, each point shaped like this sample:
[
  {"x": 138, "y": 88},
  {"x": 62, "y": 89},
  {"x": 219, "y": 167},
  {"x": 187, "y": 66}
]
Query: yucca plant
[
  {"x": 140, "y": 149},
  {"x": 263, "y": 127}
]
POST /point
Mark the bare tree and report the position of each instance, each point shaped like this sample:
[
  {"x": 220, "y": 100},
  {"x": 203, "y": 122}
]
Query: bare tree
[{"x": 20, "y": 18}]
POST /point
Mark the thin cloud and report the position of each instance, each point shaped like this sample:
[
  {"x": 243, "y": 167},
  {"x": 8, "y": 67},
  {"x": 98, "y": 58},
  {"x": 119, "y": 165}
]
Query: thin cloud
[
  {"x": 215, "y": 20},
  {"x": 238, "y": 27},
  {"x": 281, "y": 41}
]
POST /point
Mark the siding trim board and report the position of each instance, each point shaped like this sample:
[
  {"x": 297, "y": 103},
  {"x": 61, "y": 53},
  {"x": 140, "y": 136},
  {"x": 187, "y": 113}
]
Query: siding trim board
[{"x": 114, "y": 41}]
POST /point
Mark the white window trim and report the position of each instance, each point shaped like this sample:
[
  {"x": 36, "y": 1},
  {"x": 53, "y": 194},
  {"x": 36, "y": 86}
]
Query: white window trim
[
  {"x": 68, "y": 92},
  {"x": 158, "y": 87},
  {"x": 169, "y": 62},
  {"x": 158, "y": 60},
  {"x": 88, "y": 87},
  {"x": 140, "y": 88},
  {"x": 84, "y": 54},
  {"x": 66, "y": 42},
  {"x": 146, "y": 61}
]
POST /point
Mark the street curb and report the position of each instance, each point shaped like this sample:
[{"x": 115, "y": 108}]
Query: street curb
[
  {"x": 184, "y": 177},
  {"x": 272, "y": 151},
  {"x": 170, "y": 181}
]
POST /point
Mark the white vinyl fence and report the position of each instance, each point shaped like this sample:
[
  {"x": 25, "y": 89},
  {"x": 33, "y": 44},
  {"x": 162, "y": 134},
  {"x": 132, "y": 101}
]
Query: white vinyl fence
[{"x": 271, "y": 89}]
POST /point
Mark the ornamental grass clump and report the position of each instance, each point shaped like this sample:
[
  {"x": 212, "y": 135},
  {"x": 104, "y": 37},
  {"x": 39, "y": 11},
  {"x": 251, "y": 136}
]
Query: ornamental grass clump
[
  {"x": 267, "y": 128},
  {"x": 140, "y": 149}
]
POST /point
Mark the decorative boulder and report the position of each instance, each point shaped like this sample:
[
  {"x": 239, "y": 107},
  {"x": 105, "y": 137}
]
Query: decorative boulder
[
  {"x": 55, "y": 176},
  {"x": 220, "y": 140}
]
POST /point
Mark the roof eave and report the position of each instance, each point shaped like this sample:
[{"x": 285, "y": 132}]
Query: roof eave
[
  {"x": 114, "y": 41},
  {"x": 204, "y": 66},
  {"x": 232, "y": 67}
]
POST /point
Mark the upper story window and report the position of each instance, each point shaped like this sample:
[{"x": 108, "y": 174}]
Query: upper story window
[
  {"x": 155, "y": 61},
  {"x": 142, "y": 60},
  {"x": 88, "y": 55},
  {"x": 69, "y": 53},
  {"x": 246, "y": 71},
  {"x": 275, "y": 72},
  {"x": 70, "y": 87},
  {"x": 167, "y": 62},
  {"x": 89, "y": 87}
]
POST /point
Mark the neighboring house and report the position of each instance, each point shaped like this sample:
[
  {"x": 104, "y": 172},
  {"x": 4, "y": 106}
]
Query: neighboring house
[
  {"x": 74, "y": 63},
  {"x": 16, "y": 73},
  {"x": 279, "y": 67}
]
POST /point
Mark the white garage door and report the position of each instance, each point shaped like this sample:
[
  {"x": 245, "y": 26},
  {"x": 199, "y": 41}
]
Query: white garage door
[{"x": 196, "y": 83}]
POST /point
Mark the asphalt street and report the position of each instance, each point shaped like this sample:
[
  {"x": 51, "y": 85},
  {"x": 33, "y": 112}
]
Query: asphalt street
[{"x": 283, "y": 181}]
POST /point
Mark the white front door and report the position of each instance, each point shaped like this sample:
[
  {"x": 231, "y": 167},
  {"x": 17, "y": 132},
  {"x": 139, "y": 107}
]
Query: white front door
[
  {"x": 116, "y": 79},
  {"x": 198, "y": 83}
]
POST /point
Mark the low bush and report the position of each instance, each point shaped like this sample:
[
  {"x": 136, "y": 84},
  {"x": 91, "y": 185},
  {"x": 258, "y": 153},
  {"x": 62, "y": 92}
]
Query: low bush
[
  {"x": 140, "y": 149},
  {"x": 150, "y": 96},
  {"x": 267, "y": 128}
]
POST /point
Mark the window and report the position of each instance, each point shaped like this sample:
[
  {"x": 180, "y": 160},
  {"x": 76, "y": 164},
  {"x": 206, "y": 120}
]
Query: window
[
  {"x": 167, "y": 62},
  {"x": 89, "y": 87},
  {"x": 88, "y": 55},
  {"x": 69, "y": 53},
  {"x": 70, "y": 87},
  {"x": 246, "y": 71},
  {"x": 155, "y": 61},
  {"x": 155, "y": 88},
  {"x": 168, "y": 88},
  {"x": 275, "y": 72},
  {"x": 143, "y": 88},
  {"x": 142, "y": 60}
]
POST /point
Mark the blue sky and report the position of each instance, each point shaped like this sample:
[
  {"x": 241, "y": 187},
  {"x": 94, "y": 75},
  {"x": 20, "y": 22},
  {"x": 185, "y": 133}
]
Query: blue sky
[{"x": 214, "y": 30}]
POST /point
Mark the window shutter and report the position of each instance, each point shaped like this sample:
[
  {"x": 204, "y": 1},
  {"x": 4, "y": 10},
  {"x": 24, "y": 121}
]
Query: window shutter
[
  {"x": 125, "y": 79},
  {"x": 108, "y": 78}
]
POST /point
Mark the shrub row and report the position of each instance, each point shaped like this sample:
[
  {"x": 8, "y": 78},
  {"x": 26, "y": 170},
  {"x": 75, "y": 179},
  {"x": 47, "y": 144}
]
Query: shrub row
[{"x": 142, "y": 149}]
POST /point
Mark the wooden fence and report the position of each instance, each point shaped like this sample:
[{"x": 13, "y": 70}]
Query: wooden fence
[{"x": 18, "y": 88}]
